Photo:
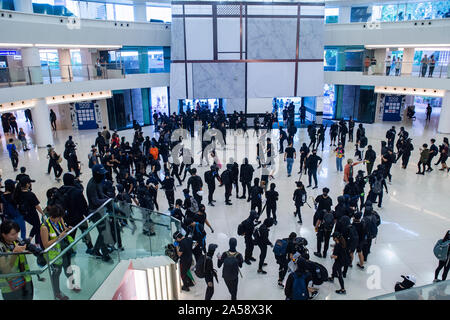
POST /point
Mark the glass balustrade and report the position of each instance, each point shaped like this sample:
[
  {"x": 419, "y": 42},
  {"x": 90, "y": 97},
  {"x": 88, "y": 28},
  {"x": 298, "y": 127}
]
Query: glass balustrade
[
  {"x": 435, "y": 291},
  {"x": 140, "y": 232}
]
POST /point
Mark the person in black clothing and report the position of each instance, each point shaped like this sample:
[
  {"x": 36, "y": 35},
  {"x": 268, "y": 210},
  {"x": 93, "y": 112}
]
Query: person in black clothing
[
  {"x": 433, "y": 152},
  {"x": 283, "y": 137},
  {"x": 387, "y": 160},
  {"x": 324, "y": 204},
  {"x": 235, "y": 175},
  {"x": 263, "y": 241},
  {"x": 256, "y": 196},
  {"x": 342, "y": 132},
  {"x": 210, "y": 180},
  {"x": 100, "y": 143},
  {"x": 443, "y": 263},
  {"x": 210, "y": 272},
  {"x": 96, "y": 198},
  {"x": 53, "y": 163},
  {"x": 361, "y": 181},
  {"x": 407, "y": 147},
  {"x": 283, "y": 260},
  {"x": 321, "y": 135},
  {"x": 299, "y": 199},
  {"x": 271, "y": 203},
  {"x": 197, "y": 232},
  {"x": 184, "y": 251},
  {"x": 249, "y": 226},
  {"x": 304, "y": 152},
  {"x": 361, "y": 238},
  {"x": 312, "y": 163},
  {"x": 377, "y": 182},
  {"x": 333, "y": 133},
  {"x": 196, "y": 182},
  {"x": 340, "y": 256},
  {"x": 390, "y": 136},
  {"x": 232, "y": 262},
  {"x": 227, "y": 180},
  {"x": 351, "y": 126},
  {"x": 370, "y": 158},
  {"x": 76, "y": 207},
  {"x": 312, "y": 135},
  {"x": 168, "y": 184},
  {"x": 245, "y": 177}
]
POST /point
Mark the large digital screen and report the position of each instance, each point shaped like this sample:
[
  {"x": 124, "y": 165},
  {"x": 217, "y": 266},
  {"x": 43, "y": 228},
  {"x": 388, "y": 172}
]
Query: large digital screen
[{"x": 160, "y": 100}]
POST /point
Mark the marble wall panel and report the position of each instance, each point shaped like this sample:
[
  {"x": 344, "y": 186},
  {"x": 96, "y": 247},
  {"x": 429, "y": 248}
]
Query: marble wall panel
[
  {"x": 311, "y": 39},
  {"x": 177, "y": 40},
  {"x": 218, "y": 80},
  {"x": 274, "y": 79}
]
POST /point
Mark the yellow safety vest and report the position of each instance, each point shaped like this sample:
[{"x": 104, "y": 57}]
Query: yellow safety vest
[
  {"x": 8, "y": 285},
  {"x": 55, "y": 251}
]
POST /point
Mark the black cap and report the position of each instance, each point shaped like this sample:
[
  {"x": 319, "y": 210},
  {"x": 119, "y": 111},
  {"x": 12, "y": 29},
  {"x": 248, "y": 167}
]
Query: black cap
[{"x": 177, "y": 235}]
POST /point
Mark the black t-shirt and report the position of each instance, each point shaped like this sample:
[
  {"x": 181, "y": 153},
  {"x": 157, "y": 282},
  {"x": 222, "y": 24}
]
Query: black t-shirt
[
  {"x": 185, "y": 246},
  {"x": 324, "y": 203},
  {"x": 196, "y": 183},
  {"x": 290, "y": 152},
  {"x": 200, "y": 218},
  {"x": 27, "y": 202},
  {"x": 272, "y": 197}
]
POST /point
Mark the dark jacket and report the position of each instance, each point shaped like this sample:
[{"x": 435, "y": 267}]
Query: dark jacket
[{"x": 246, "y": 174}]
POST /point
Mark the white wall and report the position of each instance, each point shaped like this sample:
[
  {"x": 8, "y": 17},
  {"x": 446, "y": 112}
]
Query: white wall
[
  {"x": 44, "y": 29},
  {"x": 390, "y": 33}
]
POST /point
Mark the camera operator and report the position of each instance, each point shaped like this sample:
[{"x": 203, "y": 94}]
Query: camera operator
[
  {"x": 53, "y": 230},
  {"x": 15, "y": 288}
]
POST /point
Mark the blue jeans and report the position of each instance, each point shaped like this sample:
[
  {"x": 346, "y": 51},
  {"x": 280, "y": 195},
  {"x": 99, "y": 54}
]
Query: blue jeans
[
  {"x": 290, "y": 162},
  {"x": 339, "y": 164}
]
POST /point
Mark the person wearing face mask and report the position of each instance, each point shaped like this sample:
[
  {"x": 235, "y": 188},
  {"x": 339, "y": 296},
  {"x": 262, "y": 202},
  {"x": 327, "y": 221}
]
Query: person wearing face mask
[
  {"x": 210, "y": 272},
  {"x": 245, "y": 177},
  {"x": 232, "y": 262},
  {"x": 312, "y": 164},
  {"x": 261, "y": 236},
  {"x": 96, "y": 198}
]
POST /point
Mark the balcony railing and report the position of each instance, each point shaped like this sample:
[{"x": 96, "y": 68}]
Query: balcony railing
[{"x": 411, "y": 69}]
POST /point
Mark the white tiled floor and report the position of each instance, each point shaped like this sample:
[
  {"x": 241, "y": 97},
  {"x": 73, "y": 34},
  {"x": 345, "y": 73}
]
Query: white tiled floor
[{"x": 415, "y": 214}]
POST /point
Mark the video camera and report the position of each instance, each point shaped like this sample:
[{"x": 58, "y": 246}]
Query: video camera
[{"x": 30, "y": 247}]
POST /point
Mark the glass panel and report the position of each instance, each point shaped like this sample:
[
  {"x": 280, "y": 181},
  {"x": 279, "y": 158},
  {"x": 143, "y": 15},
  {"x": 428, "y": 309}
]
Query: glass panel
[
  {"x": 330, "y": 59},
  {"x": 354, "y": 60},
  {"x": 73, "y": 7},
  {"x": 124, "y": 12},
  {"x": 401, "y": 11},
  {"x": 376, "y": 13},
  {"x": 130, "y": 60},
  {"x": 329, "y": 101},
  {"x": 92, "y": 10},
  {"x": 110, "y": 11},
  {"x": 389, "y": 12},
  {"x": 156, "y": 60},
  {"x": 441, "y": 9},
  {"x": 435, "y": 291},
  {"x": 159, "y": 14},
  {"x": 359, "y": 14}
]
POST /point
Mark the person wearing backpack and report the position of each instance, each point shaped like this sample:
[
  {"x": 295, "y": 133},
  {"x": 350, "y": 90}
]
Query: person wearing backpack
[
  {"x": 340, "y": 256},
  {"x": 359, "y": 228},
  {"x": 209, "y": 271},
  {"x": 13, "y": 154},
  {"x": 232, "y": 262},
  {"x": 297, "y": 282},
  {"x": 227, "y": 180},
  {"x": 444, "y": 263},
  {"x": 283, "y": 251},
  {"x": 261, "y": 236},
  {"x": 246, "y": 229},
  {"x": 369, "y": 222},
  {"x": 424, "y": 155},
  {"x": 9, "y": 207},
  {"x": 299, "y": 199},
  {"x": 323, "y": 221},
  {"x": 256, "y": 193},
  {"x": 377, "y": 182}
]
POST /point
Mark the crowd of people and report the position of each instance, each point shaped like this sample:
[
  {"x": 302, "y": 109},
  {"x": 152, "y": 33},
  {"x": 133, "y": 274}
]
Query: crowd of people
[{"x": 134, "y": 171}]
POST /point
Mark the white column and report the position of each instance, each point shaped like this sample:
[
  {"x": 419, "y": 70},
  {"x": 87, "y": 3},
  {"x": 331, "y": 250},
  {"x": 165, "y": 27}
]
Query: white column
[
  {"x": 87, "y": 63},
  {"x": 407, "y": 61},
  {"x": 140, "y": 12},
  {"x": 344, "y": 14},
  {"x": 41, "y": 121},
  {"x": 444, "y": 118},
  {"x": 65, "y": 64},
  {"x": 23, "y": 6},
  {"x": 32, "y": 65}
]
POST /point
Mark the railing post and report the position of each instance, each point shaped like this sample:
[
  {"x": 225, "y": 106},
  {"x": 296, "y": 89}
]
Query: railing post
[
  {"x": 49, "y": 74},
  {"x": 29, "y": 75},
  {"x": 9, "y": 77},
  {"x": 116, "y": 231},
  {"x": 89, "y": 77},
  {"x": 50, "y": 273},
  {"x": 70, "y": 75}
]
